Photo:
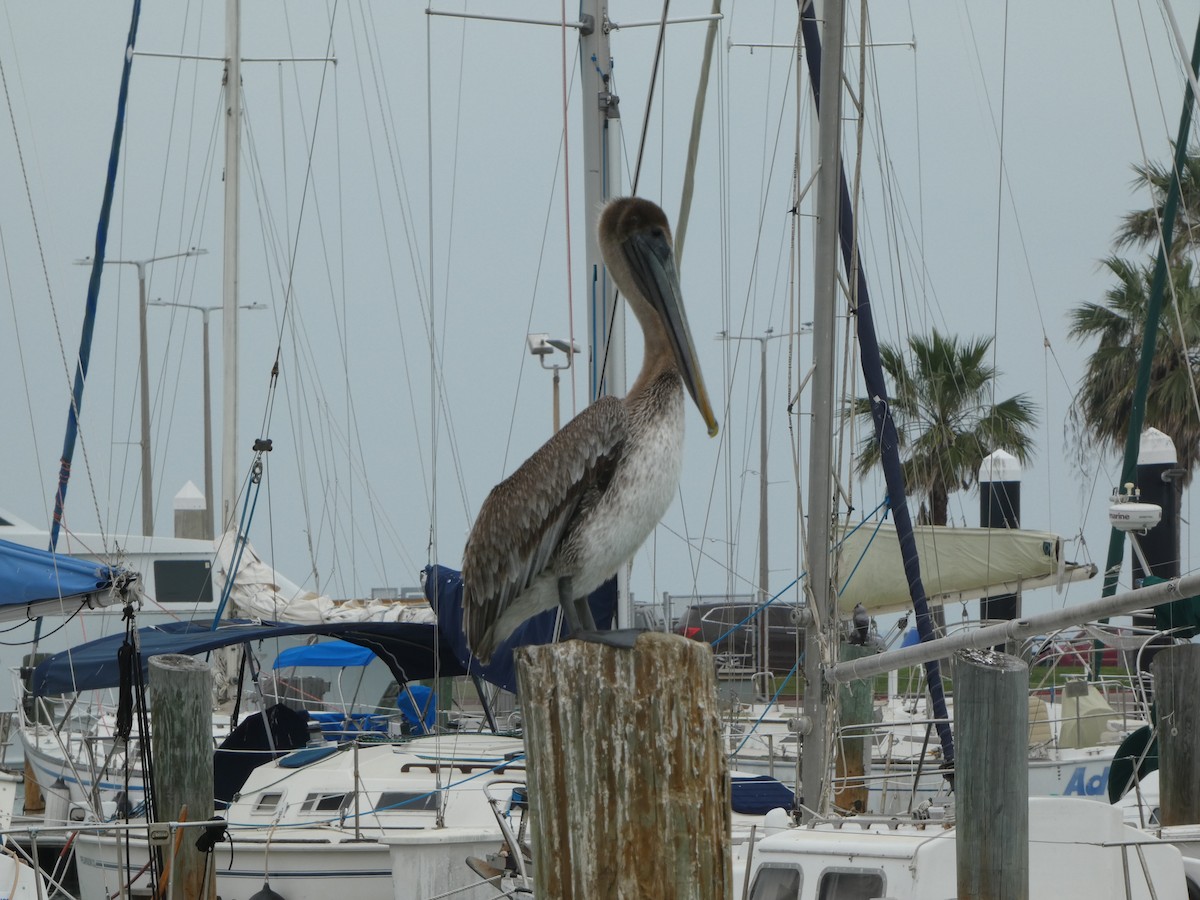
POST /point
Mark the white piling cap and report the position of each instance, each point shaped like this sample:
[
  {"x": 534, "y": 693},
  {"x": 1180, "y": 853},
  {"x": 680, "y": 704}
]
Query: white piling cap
[
  {"x": 1156, "y": 449},
  {"x": 999, "y": 466},
  {"x": 189, "y": 497}
]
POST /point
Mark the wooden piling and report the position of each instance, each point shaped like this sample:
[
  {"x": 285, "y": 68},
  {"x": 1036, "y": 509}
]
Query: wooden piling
[
  {"x": 991, "y": 719},
  {"x": 856, "y": 712},
  {"x": 180, "y": 692},
  {"x": 1176, "y": 673},
  {"x": 627, "y": 773}
]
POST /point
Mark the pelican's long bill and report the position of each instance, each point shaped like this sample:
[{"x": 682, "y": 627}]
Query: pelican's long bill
[{"x": 652, "y": 264}]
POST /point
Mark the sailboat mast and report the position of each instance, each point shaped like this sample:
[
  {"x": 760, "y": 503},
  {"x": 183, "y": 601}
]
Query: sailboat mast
[
  {"x": 601, "y": 182},
  {"x": 820, "y": 636},
  {"x": 229, "y": 288}
]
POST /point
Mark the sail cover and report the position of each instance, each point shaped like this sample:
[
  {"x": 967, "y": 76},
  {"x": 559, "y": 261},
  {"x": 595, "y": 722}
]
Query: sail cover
[
  {"x": 412, "y": 651},
  {"x": 957, "y": 564},
  {"x": 259, "y": 592},
  {"x": 40, "y": 583}
]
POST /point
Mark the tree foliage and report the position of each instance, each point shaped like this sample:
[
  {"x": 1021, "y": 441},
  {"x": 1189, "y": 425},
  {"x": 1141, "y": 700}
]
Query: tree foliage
[
  {"x": 946, "y": 420},
  {"x": 1117, "y": 326}
]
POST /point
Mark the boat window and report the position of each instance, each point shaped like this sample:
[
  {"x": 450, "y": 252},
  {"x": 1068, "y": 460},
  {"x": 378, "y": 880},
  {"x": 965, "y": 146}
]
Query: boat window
[
  {"x": 776, "y": 883},
  {"x": 183, "y": 581},
  {"x": 407, "y": 801},
  {"x": 267, "y": 803},
  {"x": 850, "y": 884},
  {"x": 323, "y": 802}
]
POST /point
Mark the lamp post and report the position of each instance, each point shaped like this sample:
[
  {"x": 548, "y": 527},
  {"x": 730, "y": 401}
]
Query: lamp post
[
  {"x": 541, "y": 346},
  {"x": 763, "y": 568},
  {"x": 144, "y": 370},
  {"x": 208, "y": 452}
]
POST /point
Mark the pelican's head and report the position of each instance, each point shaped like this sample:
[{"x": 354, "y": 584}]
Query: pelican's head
[{"x": 635, "y": 240}]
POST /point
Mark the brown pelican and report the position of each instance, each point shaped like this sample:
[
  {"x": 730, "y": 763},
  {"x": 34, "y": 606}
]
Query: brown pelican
[{"x": 579, "y": 508}]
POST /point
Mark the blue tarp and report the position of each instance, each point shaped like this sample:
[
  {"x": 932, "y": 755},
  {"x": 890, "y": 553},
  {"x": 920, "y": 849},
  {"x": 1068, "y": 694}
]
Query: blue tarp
[
  {"x": 423, "y": 712},
  {"x": 327, "y": 653},
  {"x": 37, "y": 582},
  {"x": 443, "y": 589},
  {"x": 412, "y": 651}
]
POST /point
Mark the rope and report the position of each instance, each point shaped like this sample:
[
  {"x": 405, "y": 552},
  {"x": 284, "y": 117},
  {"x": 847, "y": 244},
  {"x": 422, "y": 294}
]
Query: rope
[{"x": 248, "y": 505}]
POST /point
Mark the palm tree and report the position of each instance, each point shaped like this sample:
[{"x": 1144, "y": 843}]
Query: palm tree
[
  {"x": 945, "y": 420},
  {"x": 1140, "y": 228},
  {"x": 1117, "y": 325}
]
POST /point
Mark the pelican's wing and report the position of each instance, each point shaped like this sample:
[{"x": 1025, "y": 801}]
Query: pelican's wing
[{"x": 524, "y": 518}]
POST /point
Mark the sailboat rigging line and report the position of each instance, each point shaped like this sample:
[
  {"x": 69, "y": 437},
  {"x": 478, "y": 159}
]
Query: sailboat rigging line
[
  {"x": 288, "y": 292},
  {"x": 769, "y": 705},
  {"x": 1137, "y": 409},
  {"x": 37, "y": 234},
  {"x": 885, "y": 429},
  {"x": 1190, "y": 74},
  {"x": 93, "y": 294},
  {"x": 658, "y": 46},
  {"x": 243, "y": 534},
  {"x": 566, "y": 148},
  {"x": 758, "y": 609},
  {"x": 863, "y": 555},
  {"x": 753, "y": 614},
  {"x": 1000, "y": 171},
  {"x": 1180, "y": 332}
]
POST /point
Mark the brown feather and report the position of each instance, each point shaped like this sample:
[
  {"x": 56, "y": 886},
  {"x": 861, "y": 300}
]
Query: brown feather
[{"x": 526, "y": 518}]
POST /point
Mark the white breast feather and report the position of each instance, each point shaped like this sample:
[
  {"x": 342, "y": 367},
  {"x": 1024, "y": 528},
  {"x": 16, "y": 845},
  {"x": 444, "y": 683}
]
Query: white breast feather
[{"x": 642, "y": 489}]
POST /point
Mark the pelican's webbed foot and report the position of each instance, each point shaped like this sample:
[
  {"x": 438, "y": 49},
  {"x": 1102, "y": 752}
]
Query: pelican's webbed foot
[
  {"x": 622, "y": 638},
  {"x": 583, "y": 625}
]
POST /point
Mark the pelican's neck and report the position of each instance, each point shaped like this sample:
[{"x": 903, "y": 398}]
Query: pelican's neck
[{"x": 658, "y": 358}]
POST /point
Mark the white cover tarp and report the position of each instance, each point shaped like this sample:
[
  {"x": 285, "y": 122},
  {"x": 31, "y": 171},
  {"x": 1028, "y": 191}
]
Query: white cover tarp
[{"x": 259, "y": 592}]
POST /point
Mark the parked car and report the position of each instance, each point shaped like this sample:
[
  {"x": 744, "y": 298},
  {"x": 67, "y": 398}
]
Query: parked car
[
  {"x": 648, "y": 617},
  {"x": 734, "y": 631}
]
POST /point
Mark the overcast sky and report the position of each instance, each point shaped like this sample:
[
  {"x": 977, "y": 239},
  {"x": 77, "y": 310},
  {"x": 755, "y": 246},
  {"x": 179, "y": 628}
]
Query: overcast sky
[{"x": 425, "y": 172}]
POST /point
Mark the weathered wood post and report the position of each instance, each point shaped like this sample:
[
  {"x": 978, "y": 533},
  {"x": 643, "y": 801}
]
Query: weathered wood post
[
  {"x": 627, "y": 774},
  {"x": 181, "y": 724},
  {"x": 1176, "y": 673},
  {"x": 991, "y": 719},
  {"x": 856, "y": 705}
]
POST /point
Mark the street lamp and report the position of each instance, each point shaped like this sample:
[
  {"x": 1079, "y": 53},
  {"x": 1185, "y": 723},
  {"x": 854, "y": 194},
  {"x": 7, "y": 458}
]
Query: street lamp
[
  {"x": 541, "y": 346},
  {"x": 208, "y": 460},
  {"x": 147, "y": 481}
]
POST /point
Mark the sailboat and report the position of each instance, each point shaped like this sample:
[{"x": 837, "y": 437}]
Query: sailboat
[
  {"x": 1071, "y": 846},
  {"x": 83, "y": 767}
]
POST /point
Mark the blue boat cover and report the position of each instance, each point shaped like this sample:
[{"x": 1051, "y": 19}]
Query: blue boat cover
[
  {"x": 443, "y": 590},
  {"x": 423, "y": 713},
  {"x": 327, "y": 653},
  {"x": 37, "y": 582},
  {"x": 757, "y": 796},
  {"x": 411, "y": 650}
]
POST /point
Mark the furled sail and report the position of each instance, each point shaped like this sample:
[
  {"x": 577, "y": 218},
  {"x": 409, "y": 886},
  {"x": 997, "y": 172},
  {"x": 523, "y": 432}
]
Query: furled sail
[
  {"x": 957, "y": 564},
  {"x": 40, "y": 583},
  {"x": 259, "y": 592}
]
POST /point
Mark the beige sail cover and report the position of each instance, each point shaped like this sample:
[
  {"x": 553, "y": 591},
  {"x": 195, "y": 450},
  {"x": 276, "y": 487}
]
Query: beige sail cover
[{"x": 956, "y": 564}]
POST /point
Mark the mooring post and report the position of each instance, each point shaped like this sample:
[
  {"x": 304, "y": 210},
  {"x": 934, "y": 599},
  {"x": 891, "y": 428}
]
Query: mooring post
[
  {"x": 856, "y": 705},
  {"x": 627, "y": 774},
  {"x": 991, "y": 721},
  {"x": 1176, "y": 672},
  {"x": 181, "y": 723}
]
